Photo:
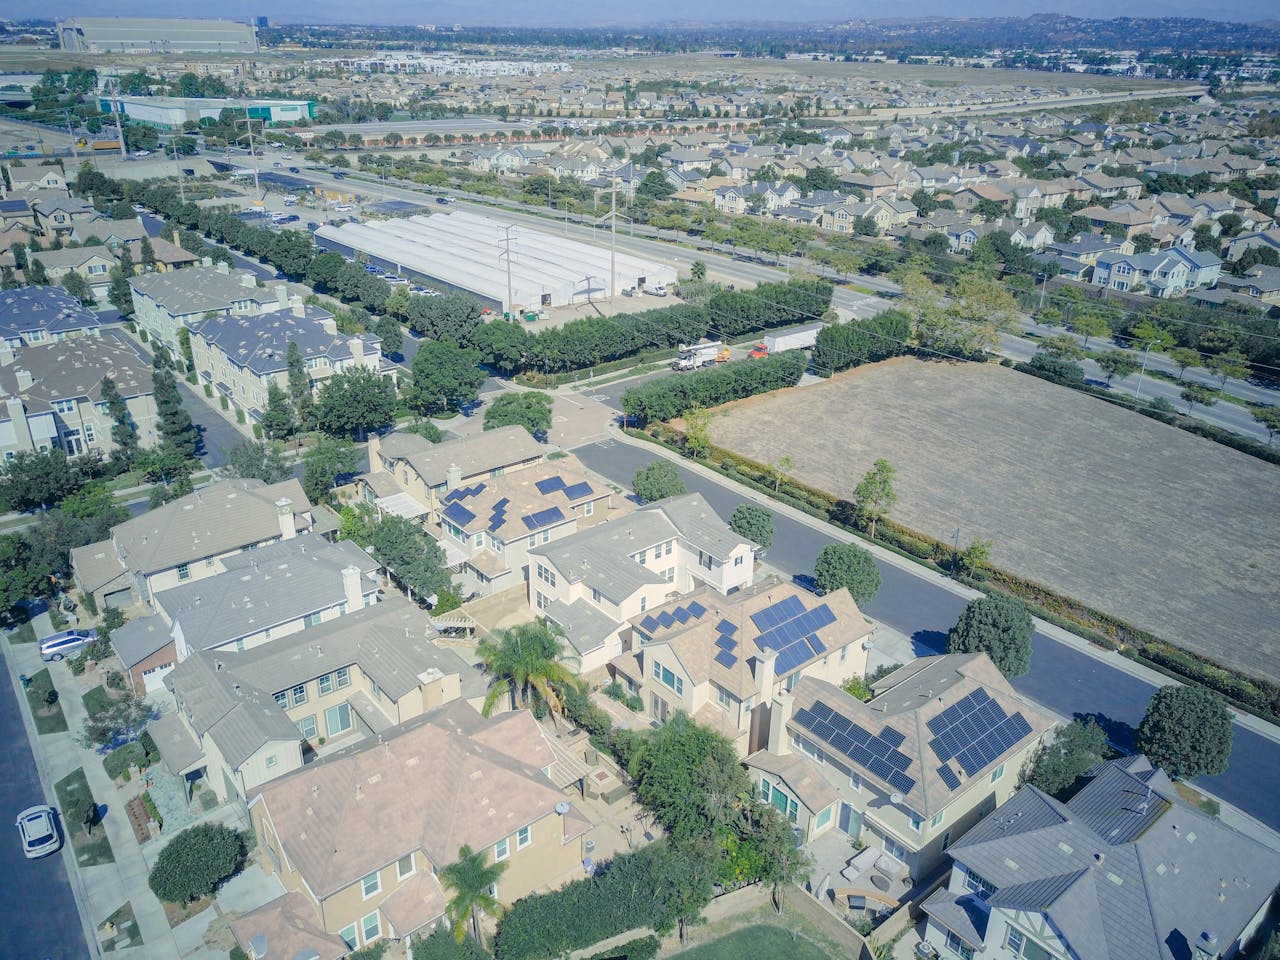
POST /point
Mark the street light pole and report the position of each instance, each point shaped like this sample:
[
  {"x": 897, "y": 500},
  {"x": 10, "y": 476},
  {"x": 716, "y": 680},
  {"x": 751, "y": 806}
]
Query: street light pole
[
  {"x": 1146, "y": 350},
  {"x": 506, "y": 241}
]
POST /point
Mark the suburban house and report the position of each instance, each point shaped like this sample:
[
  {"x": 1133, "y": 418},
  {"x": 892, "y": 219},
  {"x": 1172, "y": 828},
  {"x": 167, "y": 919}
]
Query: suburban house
[
  {"x": 53, "y": 396},
  {"x": 241, "y": 360},
  {"x": 189, "y": 538},
  {"x": 168, "y": 256},
  {"x": 28, "y": 179},
  {"x": 32, "y": 315},
  {"x": 444, "y": 780},
  {"x": 487, "y": 528},
  {"x": 940, "y": 744},
  {"x": 92, "y": 263},
  {"x": 245, "y": 718},
  {"x": 1124, "y": 870},
  {"x": 409, "y": 475},
  {"x": 17, "y": 212},
  {"x": 722, "y": 660},
  {"x": 166, "y": 302},
  {"x": 58, "y": 214},
  {"x": 113, "y": 233},
  {"x": 1261, "y": 282},
  {"x": 1159, "y": 273},
  {"x": 263, "y": 595},
  {"x": 591, "y": 583}
]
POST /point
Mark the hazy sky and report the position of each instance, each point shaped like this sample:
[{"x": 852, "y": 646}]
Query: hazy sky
[{"x": 579, "y": 12}]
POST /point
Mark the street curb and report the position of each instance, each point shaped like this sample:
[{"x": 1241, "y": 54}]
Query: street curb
[{"x": 1109, "y": 657}]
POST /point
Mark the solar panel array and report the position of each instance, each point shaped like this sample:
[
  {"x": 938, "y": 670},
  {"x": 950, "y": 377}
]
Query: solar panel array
[
  {"x": 974, "y": 732},
  {"x": 459, "y": 514},
  {"x": 542, "y": 518},
  {"x": 463, "y": 493},
  {"x": 791, "y": 630},
  {"x": 878, "y": 754},
  {"x": 552, "y": 484},
  {"x": 725, "y": 640},
  {"x": 666, "y": 619},
  {"x": 498, "y": 516},
  {"x": 578, "y": 490}
]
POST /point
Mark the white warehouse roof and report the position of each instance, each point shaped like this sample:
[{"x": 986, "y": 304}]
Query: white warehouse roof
[{"x": 465, "y": 250}]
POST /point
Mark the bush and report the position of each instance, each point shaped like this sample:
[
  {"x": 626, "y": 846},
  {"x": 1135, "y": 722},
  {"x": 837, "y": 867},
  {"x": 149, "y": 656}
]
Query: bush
[
  {"x": 115, "y": 680},
  {"x": 152, "y": 810},
  {"x": 657, "y": 481},
  {"x": 441, "y": 945},
  {"x": 645, "y": 948},
  {"x": 257, "y": 431},
  {"x": 222, "y": 402},
  {"x": 118, "y": 761},
  {"x": 89, "y": 603},
  {"x": 208, "y": 391},
  {"x": 999, "y": 626},
  {"x": 670, "y": 397},
  {"x": 195, "y": 862},
  {"x": 1186, "y": 732}
]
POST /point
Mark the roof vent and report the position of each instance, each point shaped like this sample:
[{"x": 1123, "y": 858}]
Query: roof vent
[{"x": 1207, "y": 946}]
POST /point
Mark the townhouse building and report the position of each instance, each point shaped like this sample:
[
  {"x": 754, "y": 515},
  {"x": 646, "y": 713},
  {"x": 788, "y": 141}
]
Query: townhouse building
[
  {"x": 940, "y": 744},
  {"x": 92, "y": 263},
  {"x": 29, "y": 179},
  {"x": 36, "y": 315},
  {"x": 111, "y": 233},
  {"x": 592, "y": 583},
  {"x": 58, "y": 215},
  {"x": 442, "y": 781},
  {"x": 722, "y": 660},
  {"x": 1124, "y": 869},
  {"x": 1158, "y": 273},
  {"x": 166, "y": 302},
  {"x": 190, "y": 538},
  {"x": 52, "y": 396}
]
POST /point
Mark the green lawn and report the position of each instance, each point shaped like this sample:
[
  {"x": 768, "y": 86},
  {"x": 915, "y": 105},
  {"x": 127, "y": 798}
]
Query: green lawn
[
  {"x": 97, "y": 700},
  {"x": 73, "y": 792},
  {"x": 23, "y": 633},
  {"x": 761, "y": 942},
  {"x": 48, "y": 717}
]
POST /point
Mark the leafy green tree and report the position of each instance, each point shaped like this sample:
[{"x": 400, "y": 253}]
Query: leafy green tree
[
  {"x": 19, "y": 577},
  {"x": 1184, "y": 357},
  {"x": 1230, "y": 365},
  {"x": 526, "y": 666},
  {"x": 657, "y": 481},
  {"x": 1062, "y": 347},
  {"x": 874, "y": 495},
  {"x": 326, "y": 460},
  {"x": 528, "y": 409},
  {"x": 698, "y": 270},
  {"x": 1061, "y": 762},
  {"x": 194, "y": 862},
  {"x": 1268, "y": 418},
  {"x": 388, "y": 330},
  {"x": 1186, "y": 731},
  {"x": 974, "y": 558},
  {"x": 847, "y": 565},
  {"x": 123, "y": 719},
  {"x": 502, "y": 345},
  {"x": 124, "y": 432},
  {"x": 120, "y": 293},
  {"x": 356, "y": 523},
  {"x": 754, "y": 522},
  {"x": 1198, "y": 394},
  {"x": 33, "y": 480},
  {"x": 1090, "y": 325},
  {"x": 999, "y": 626},
  {"x": 299, "y": 386},
  {"x": 413, "y": 557},
  {"x": 469, "y": 880},
  {"x": 78, "y": 287},
  {"x": 263, "y": 460},
  {"x": 445, "y": 377},
  {"x": 175, "y": 425},
  {"x": 1117, "y": 363},
  {"x": 354, "y": 402},
  {"x": 147, "y": 255},
  {"x": 36, "y": 274},
  {"x": 278, "y": 421},
  {"x": 1150, "y": 334}
]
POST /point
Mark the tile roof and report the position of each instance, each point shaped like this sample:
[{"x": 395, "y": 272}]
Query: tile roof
[
  {"x": 292, "y": 929},
  {"x": 516, "y": 504},
  {"x": 262, "y": 344}
]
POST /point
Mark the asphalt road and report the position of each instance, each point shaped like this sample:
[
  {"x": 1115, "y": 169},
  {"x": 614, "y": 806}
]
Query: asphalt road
[
  {"x": 1062, "y": 678},
  {"x": 40, "y": 911}
]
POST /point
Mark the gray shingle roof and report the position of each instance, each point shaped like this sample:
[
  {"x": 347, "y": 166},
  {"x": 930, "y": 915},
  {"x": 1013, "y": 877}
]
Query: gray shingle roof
[
  {"x": 262, "y": 344},
  {"x": 74, "y": 369},
  {"x": 474, "y": 455},
  {"x": 43, "y": 308},
  {"x": 139, "y": 639},
  {"x": 199, "y": 289}
]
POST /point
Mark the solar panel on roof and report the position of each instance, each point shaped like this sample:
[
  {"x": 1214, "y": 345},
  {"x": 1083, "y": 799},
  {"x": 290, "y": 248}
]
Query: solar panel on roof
[
  {"x": 725, "y": 627},
  {"x": 821, "y": 709},
  {"x": 817, "y": 645},
  {"x": 648, "y": 623},
  {"x": 840, "y": 724},
  {"x": 981, "y": 696},
  {"x": 898, "y": 760},
  {"x": 860, "y": 755},
  {"x": 681, "y": 614},
  {"x": 879, "y": 768},
  {"x": 726, "y": 659},
  {"x": 842, "y": 743},
  {"x": 859, "y": 735},
  {"x": 458, "y": 514},
  {"x": 822, "y": 729},
  {"x": 892, "y": 737},
  {"x": 726, "y": 643},
  {"x": 550, "y": 484},
  {"x": 804, "y": 718},
  {"x": 502, "y": 504},
  {"x": 901, "y": 782},
  {"x": 949, "y": 777},
  {"x": 940, "y": 749},
  {"x": 578, "y": 490},
  {"x": 697, "y": 609},
  {"x": 938, "y": 723},
  {"x": 666, "y": 619}
]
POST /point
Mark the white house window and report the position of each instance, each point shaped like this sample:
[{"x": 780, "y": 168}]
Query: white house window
[
  {"x": 272, "y": 760},
  {"x": 370, "y": 885},
  {"x": 343, "y": 677},
  {"x": 546, "y": 575},
  {"x": 724, "y": 698},
  {"x": 975, "y": 884},
  {"x": 404, "y": 866},
  {"x": 997, "y": 773},
  {"x": 588, "y": 508},
  {"x": 502, "y": 849},
  {"x": 306, "y": 726},
  {"x": 64, "y": 406},
  {"x": 371, "y": 926},
  {"x": 299, "y": 694},
  {"x": 350, "y": 936},
  {"x": 916, "y": 822},
  {"x": 338, "y": 719},
  {"x": 523, "y": 838},
  {"x": 184, "y": 572},
  {"x": 959, "y": 947},
  {"x": 668, "y": 678},
  {"x": 936, "y": 821},
  {"x": 325, "y": 684},
  {"x": 282, "y": 700}
]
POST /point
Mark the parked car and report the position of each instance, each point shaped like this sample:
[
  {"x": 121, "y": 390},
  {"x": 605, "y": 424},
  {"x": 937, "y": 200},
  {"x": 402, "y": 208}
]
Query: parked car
[
  {"x": 444, "y": 199},
  {"x": 142, "y": 153},
  {"x": 58, "y": 645},
  {"x": 291, "y": 218},
  {"x": 658, "y": 290},
  {"x": 370, "y": 268},
  {"x": 339, "y": 175},
  {"x": 293, "y": 169},
  {"x": 38, "y": 828},
  {"x": 277, "y": 164}
]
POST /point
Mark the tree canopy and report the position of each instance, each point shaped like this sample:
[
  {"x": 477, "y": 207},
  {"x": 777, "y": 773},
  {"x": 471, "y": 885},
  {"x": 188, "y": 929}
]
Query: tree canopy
[
  {"x": 354, "y": 402},
  {"x": 1060, "y": 763},
  {"x": 999, "y": 626},
  {"x": 1186, "y": 731},
  {"x": 850, "y": 566},
  {"x": 445, "y": 377},
  {"x": 657, "y": 481},
  {"x": 528, "y": 409},
  {"x": 754, "y": 522}
]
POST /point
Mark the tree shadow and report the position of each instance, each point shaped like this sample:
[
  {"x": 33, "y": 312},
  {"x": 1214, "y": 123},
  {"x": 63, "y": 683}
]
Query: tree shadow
[
  {"x": 806, "y": 582},
  {"x": 1120, "y": 734},
  {"x": 927, "y": 643}
]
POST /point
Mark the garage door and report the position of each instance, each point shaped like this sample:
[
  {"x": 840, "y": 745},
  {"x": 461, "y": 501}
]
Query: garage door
[{"x": 153, "y": 679}]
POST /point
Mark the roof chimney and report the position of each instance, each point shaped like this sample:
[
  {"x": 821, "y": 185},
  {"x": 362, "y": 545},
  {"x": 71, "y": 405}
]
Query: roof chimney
[
  {"x": 24, "y": 379},
  {"x": 284, "y": 512},
  {"x": 297, "y": 306},
  {"x": 1207, "y": 946},
  {"x": 247, "y": 280},
  {"x": 351, "y": 586},
  {"x": 357, "y": 351},
  {"x": 766, "y": 674},
  {"x": 282, "y": 295},
  {"x": 206, "y": 261},
  {"x": 223, "y": 267},
  {"x": 452, "y": 476},
  {"x": 329, "y": 325},
  {"x": 779, "y": 714}
]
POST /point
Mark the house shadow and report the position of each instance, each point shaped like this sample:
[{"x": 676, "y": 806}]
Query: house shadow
[
  {"x": 1119, "y": 734},
  {"x": 928, "y": 643}
]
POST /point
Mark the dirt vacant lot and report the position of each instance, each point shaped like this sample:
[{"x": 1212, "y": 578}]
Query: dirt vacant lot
[{"x": 1175, "y": 534}]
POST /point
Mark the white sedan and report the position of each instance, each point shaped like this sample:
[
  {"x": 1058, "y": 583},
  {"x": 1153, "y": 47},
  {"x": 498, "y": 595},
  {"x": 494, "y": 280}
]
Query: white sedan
[{"x": 38, "y": 828}]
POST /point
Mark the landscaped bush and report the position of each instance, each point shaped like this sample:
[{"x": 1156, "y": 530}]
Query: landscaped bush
[
  {"x": 672, "y": 397},
  {"x": 195, "y": 862},
  {"x": 441, "y": 945},
  {"x": 645, "y": 948},
  {"x": 153, "y": 811},
  {"x": 118, "y": 761}
]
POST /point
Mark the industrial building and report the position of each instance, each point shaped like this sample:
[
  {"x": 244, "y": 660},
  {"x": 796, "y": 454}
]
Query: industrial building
[
  {"x": 170, "y": 113},
  {"x": 130, "y": 35},
  {"x": 466, "y": 251}
]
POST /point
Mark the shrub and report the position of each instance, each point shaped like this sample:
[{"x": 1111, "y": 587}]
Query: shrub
[
  {"x": 208, "y": 391},
  {"x": 645, "y": 948},
  {"x": 257, "y": 431},
  {"x": 115, "y": 680},
  {"x": 195, "y": 862},
  {"x": 89, "y": 603},
  {"x": 118, "y": 761},
  {"x": 152, "y": 810},
  {"x": 239, "y": 415},
  {"x": 222, "y": 402},
  {"x": 142, "y": 335}
]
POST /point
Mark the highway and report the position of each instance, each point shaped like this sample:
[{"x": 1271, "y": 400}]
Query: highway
[{"x": 1062, "y": 678}]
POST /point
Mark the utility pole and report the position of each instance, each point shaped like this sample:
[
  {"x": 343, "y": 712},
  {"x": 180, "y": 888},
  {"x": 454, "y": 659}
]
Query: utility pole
[
  {"x": 1146, "y": 350},
  {"x": 248, "y": 122},
  {"x": 506, "y": 252},
  {"x": 182, "y": 192},
  {"x": 613, "y": 240},
  {"x": 75, "y": 153},
  {"x": 117, "y": 108}
]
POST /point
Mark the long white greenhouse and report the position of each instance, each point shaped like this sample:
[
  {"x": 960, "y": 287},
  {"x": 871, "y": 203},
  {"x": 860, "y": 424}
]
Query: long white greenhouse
[{"x": 467, "y": 251}]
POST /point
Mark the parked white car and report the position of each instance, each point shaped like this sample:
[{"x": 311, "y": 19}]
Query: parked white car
[{"x": 38, "y": 828}]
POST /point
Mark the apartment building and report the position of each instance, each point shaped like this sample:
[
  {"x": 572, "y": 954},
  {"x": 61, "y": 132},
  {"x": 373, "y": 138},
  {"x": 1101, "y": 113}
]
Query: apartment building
[
  {"x": 166, "y": 302},
  {"x": 35, "y": 315},
  {"x": 940, "y": 745},
  {"x": 444, "y": 780},
  {"x": 722, "y": 660},
  {"x": 52, "y": 396},
  {"x": 190, "y": 538},
  {"x": 1124, "y": 870},
  {"x": 592, "y": 583}
]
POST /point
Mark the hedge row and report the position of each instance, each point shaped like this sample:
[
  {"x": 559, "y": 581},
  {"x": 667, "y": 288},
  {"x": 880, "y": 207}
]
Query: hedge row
[{"x": 671, "y": 397}]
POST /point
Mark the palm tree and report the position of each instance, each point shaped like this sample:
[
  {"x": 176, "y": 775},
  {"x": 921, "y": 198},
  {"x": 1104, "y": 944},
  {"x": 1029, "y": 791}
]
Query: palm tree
[
  {"x": 471, "y": 882},
  {"x": 525, "y": 662}
]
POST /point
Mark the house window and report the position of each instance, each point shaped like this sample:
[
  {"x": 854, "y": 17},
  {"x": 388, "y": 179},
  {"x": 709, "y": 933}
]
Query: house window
[
  {"x": 64, "y": 406},
  {"x": 325, "y": 684},
  {"x": 824, "y": 817},
  {"x": 724, "y": 698},
  {"x": 959, "y": 947},
  {"x": 737, "y": 561},
  {"x": 370, "y": 885},
  {"x": 502, "y": 849},
  {"x": 546, "y": 536},
  {"x": 314, "y": 619},
  {"x": 523, "y": 838},
  {"x": 670, "y": 546},
  {"x": 282, "y": 700},
  {"x": 338, "y": 719},
  {"x": 533, "y": 540},
  {"x": 936, "y": 821},
  {"x": 272, "y": 760},
  {"x": 307, "y": 727},
  {"x": 89, "y": 435},
  {"x": 184, "y": 572},
  {"x": 975, "y": 884},
  {"x": 350, "y": 936},
  {"x": 404, "y": 866},
  {"x": 299, "y": 694},
  {"x": 668, "y": 678},
  {"x": 96, "y": 269},
  {"x": 588, "y": 508},
  {"x": 764, "y": 790},
  {"x": 371, "y": 926},
  {"x": 546, "y": 575},
  {"x": 343, "y": 677},
  {"x": 997, "y": 773},
  {"x": 916, "y": 822}
]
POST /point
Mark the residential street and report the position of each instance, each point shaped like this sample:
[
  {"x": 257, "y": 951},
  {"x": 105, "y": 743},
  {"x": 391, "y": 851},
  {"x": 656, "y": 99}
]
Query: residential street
[{"x": 919, "y": 604}]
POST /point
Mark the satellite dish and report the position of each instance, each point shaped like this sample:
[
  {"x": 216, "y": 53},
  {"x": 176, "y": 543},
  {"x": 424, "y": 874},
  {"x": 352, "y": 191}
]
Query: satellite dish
[
  {"x": 562, "y": 807},
  {"x": 895, "y": 798}
]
